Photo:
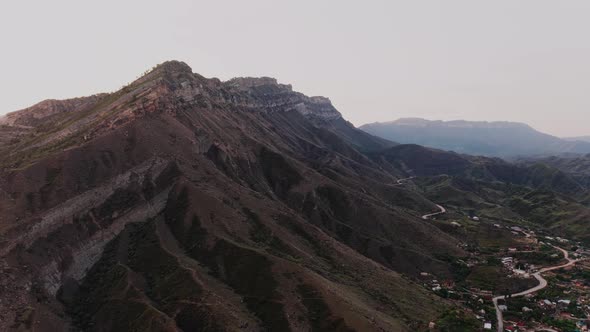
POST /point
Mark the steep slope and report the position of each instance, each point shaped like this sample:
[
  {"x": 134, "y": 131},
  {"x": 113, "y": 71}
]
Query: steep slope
[
  {"x": 422, "y": 161},
  {"x": 503, "y": 139},
  {"x": 578, "y": 165},
  {"x": 187, "y": 203},
  {"x": 48, "y": 110}
]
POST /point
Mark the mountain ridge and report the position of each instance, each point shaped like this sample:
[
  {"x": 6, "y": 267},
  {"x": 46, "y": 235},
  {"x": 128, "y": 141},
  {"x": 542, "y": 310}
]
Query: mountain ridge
[
  {"x": 578, "y": 138},
  {"x": 499, "y": 138},
  {"x": 454, "y": 123}
]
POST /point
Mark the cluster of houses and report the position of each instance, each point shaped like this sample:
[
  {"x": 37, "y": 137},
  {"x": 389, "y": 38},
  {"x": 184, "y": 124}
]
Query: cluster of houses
[
  {"x": 557, "y": 308},
  {"x": 558, "y": 239},
  {"x": 435, "y": 285},
  {"x": 521, "y": 270}
]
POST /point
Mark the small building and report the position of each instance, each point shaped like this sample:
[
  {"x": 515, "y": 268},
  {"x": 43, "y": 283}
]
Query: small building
[
  {"x": 448, "y": 284},
  {"x": 487, "y": 326},
  {"x": 502, "y": 307}
]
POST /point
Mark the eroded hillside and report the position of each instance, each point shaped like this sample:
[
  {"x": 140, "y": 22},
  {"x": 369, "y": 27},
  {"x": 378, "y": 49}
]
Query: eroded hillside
[{"x": 186, "y": 203}]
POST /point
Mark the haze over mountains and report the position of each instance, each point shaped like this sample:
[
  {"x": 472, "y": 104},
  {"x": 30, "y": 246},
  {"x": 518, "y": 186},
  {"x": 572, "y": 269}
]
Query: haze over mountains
[
  {"x": 185, "y": 203},
  {"x": 580, "y": 138},
  {"x": 503, "y": 139}
]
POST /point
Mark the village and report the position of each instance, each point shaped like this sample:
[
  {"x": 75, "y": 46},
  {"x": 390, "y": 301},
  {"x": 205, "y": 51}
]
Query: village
[{"x": 540, "y": 283}]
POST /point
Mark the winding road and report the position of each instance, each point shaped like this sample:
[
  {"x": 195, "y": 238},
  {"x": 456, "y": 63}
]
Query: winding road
[
  {"x": 542, "y": 284},
  {"x": 401, "y": 182},
  {"x": 441, "y": 211},
  {"x": 537, "y": 275}
]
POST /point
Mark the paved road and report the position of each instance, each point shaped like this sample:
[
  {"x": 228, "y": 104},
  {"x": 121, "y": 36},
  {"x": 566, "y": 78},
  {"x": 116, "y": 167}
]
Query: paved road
[
  {"x": 400, "y": 182},
  {"x": 441, "y": 211},
  {"x": 542, "y": 284}
]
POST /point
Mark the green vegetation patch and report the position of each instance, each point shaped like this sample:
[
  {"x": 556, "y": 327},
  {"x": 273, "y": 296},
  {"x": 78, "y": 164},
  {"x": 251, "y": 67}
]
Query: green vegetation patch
[
  {"x": 455, "y": 320},
  {"x": 250, "y": 274},
  {"x": 263, "y": 236},
  {"x": 493, "y": 278},
  {"x": 318, "y": 312}
]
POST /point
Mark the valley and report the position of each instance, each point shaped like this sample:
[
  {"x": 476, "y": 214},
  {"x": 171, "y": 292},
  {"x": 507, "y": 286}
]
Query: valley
[{"x": 539, "y": 310}]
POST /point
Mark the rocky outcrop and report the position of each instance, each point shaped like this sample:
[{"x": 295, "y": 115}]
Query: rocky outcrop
[
  {"x": 36, "y": 115},
  {"x": 175, "y": 80},
  {"x": 170, "y": 87}
]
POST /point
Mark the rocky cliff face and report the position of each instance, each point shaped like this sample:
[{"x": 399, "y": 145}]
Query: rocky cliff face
[
  {"x": 245, "y": 93},
  {"x": 169, "y": 87},
  {"x": 182, "y": 203},
  {"x": 36, "y": 114}
]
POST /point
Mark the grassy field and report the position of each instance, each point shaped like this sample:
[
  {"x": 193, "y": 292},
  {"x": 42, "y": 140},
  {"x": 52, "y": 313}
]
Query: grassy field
[{"x": 495, "y": 279}]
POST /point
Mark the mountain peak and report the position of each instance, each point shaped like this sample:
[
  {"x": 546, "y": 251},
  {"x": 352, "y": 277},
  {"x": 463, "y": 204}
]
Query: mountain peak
[
  {"x": 252, "y": 82},
  {"x": 173, "y": 66},
  {"x": 171, "y": 88}
]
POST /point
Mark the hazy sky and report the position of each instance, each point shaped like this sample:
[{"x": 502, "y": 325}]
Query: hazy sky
[{"x": 517, "y": 60}]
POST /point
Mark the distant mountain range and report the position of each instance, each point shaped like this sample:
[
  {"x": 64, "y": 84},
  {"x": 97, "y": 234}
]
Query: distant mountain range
[
  {"x": 579, "y": 138},
  {"x": 502, "y": 139}
]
